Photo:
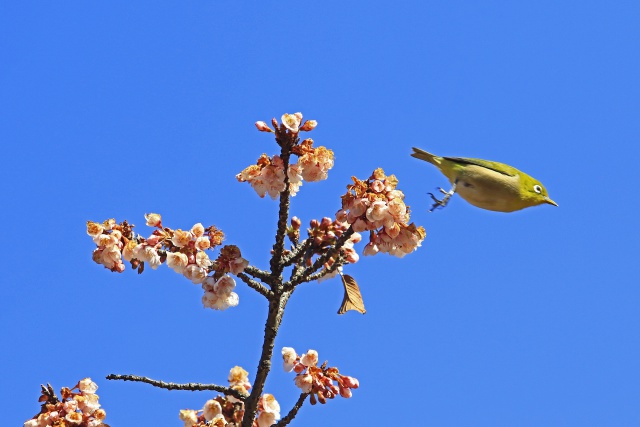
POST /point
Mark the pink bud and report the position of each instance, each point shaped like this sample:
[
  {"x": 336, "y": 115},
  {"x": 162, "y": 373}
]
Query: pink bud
[
  {"x": 153, "y": 240},
  {"x": 341, "y": 215},
  {"x": 298, "y": 368},
  {"x": 309, "y": 125},
  {"x": 314, "y": 223},
  {"x": 359, "y": 225},
  {"x": 326, "y": 222},
  {"x": 350, "y": 382},
  {"x": 262, "y": 127},
  {"x": 352, "y": 256},
  {"x": 345, "y": 392},
  {"x": 296, "y": 223},
  {"x": 370, "y": 249}
]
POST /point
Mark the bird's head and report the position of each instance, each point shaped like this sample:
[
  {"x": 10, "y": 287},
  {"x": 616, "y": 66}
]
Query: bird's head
[{"x": 534, "y": 192}]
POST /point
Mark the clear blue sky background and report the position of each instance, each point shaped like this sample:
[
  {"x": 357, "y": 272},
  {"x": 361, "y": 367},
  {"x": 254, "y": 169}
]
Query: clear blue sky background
[{"x": 114, "y": 109}]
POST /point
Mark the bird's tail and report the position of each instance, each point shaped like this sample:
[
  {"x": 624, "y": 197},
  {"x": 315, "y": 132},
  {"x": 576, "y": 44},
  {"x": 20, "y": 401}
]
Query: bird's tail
[{"x": 427, "y": 157}]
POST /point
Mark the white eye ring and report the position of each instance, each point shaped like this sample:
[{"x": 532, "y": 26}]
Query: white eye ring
[{"x": 537, "y": 189}]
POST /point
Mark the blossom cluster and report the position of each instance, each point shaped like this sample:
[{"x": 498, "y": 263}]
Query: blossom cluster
[
  {"x": 228, "y": 411},
  {"x": 317, "y": 380},
  {"x": 76, "y": 408},
  {"x": 182, "y": 250},
  {"x": 267, "y": 176},
  {"x": 377, "y": 206}
]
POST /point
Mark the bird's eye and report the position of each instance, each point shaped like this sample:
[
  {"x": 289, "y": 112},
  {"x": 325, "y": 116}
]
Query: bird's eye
[{"x": 537, "y": 189}]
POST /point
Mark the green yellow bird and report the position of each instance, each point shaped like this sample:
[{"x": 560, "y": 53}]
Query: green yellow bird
[{"x": 488, "y": 185}]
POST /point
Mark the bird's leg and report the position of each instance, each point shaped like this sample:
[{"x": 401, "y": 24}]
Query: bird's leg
[{"x": 447, "y": 195}]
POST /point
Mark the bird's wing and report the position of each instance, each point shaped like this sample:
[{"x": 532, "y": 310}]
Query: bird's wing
[{"x": 494, "y": 166}]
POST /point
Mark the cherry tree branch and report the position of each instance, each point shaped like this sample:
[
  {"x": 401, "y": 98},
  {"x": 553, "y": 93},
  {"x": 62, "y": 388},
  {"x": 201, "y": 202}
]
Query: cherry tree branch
[
  {"x": 255, "y": 285},
  {"x": 298, "y": 251},
  {"x": 300, "y": 276},
  {"x": 274, "y": 318},
  {"x": 265, "y": 276},
  {"x": 286, "y": 142},
  {"x": 325, "y": 257},
  {"x": 320, "y": 274},
  {"x": 176, "y": 386},
  {"x": 293, "y": 412}
]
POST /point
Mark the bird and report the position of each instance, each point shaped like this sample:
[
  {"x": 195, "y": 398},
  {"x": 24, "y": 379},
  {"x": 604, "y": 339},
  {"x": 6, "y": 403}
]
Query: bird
[{"x": 486, "y": 184}]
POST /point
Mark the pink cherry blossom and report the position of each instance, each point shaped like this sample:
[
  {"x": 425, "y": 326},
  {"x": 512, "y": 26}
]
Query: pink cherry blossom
[
  {"x": 310, "y": 358},
  {"x": 177, "y": 261},
  {"x": 291, "y": 121},
  {"x": 263, "y": 127},
  {"x": 153, "y": 220}
]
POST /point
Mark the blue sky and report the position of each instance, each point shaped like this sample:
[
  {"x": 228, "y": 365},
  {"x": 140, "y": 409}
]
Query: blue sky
[{"x": 121, "y": 108}]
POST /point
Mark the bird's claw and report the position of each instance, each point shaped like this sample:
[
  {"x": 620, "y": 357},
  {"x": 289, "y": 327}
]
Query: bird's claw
[{"x": 447, "y": 195}]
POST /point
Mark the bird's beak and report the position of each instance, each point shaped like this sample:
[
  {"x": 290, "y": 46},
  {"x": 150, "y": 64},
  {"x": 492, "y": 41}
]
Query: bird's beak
[{"x": 551, "y": 202}]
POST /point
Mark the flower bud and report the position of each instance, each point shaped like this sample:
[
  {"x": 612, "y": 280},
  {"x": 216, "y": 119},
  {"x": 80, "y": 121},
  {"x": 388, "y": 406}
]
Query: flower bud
[
  {"x": 309, "y": 125},
  {"x": 370, "y": 249},
  {"x": 326, "y": 222},
  {"x": 350, "y": 382},
  {"x": 345, "y": 392},
  {"x": 296, "y": 223},
  {"x": 262, "y": 127},
  {"x": 153, "y": 240}
]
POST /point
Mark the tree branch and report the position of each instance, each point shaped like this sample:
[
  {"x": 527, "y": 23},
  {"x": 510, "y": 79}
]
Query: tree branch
[
  {"x": 274, "y": 318},
  {"x": 265, "y": 276},
  {"x": 288, "y": 141},
  {"x": 325, "y": 257},
  {"x": 300, "y": 276},
  {"x": 255, "y": 285},
  {"x": 297, "y": 252},
  {"x": 293, "y": 412},
  {"x": 320, "y": 274},
  {"x": 176, "y": 386}
]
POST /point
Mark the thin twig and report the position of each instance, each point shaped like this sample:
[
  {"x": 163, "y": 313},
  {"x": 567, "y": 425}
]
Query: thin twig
[
  {"x": 293, "y": 412},
  {"x": 320, "y": 274},
  {"x": 297, "y": 252},
  {"x": 300, "y": 276},
  {"x": 255, "y": 285},
  {"x": 290, "y": 285},
  {"x": 176, "y": 386},
  {"x": 325, "y": 257},
  {"x": 265, "y": 276}
]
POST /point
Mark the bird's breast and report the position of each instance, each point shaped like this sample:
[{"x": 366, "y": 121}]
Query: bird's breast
[{"x": 488, "y": 189}]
